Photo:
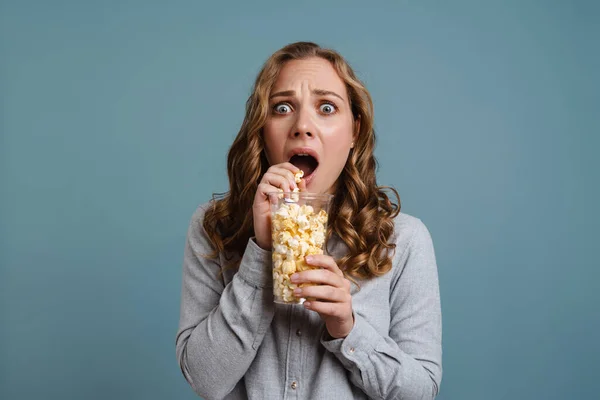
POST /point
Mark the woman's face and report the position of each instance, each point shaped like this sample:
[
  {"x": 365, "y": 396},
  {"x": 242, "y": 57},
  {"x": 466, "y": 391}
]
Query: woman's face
[{"x": 310, "y": 122}]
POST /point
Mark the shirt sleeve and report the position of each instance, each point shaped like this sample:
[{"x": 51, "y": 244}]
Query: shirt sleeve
[
  {"x": 406, "y": 364},
  {"x": 221, "y": 326}
]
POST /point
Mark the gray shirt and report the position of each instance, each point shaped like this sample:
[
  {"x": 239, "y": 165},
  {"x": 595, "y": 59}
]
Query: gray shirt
[{"x": 234, "y": 342}]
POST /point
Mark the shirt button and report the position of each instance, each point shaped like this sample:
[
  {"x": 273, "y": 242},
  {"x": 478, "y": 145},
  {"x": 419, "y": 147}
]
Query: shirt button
[
  {"x": 298, "y": 332},
  {"x": 294, "y": 385},
  {"x": 351, "y": 349}
]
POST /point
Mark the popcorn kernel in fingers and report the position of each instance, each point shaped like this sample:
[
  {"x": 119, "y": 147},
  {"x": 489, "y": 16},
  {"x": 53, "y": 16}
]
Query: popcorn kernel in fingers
[
  {"x": 298, "y": 176},
  {"x": 295, "y": 196}
]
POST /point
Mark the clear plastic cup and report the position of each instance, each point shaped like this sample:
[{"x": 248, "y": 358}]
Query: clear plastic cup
[{"x": 298, "y": 229}]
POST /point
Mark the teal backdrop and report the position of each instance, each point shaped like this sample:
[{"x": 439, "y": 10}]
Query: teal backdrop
[{"x": 116, "y": 117}]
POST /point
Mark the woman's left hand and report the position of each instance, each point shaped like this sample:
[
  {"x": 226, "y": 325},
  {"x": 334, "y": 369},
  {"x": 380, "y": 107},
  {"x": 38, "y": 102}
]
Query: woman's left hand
[{"x": 332, "y": 293}]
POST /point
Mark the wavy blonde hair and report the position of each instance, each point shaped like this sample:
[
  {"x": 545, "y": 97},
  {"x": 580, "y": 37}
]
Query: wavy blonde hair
[{"x": 361, "y": 213}]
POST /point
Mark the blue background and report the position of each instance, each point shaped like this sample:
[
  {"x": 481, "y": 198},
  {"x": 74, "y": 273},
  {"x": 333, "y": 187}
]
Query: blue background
[{"x": 115, "y": 121}]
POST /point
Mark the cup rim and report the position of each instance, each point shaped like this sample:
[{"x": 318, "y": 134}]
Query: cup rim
[{"x": 304, "y": 195}]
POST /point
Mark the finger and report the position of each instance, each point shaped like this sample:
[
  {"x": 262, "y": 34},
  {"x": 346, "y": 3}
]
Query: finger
[
  {"x": 285, "y": 173},
  {"x": 264, "y": 189},
  {"x": 289, "y": 166},
  {"x": 318, "y": 276},
  {"x": 277, "y": 181},
  {"x": 324, "y": 261},
  {"x": 323, "y": 292},
  {"x": 329, "y": 309}
]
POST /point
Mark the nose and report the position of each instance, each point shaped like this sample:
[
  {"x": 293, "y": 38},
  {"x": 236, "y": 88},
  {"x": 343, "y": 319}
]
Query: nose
[
  {"x": 298, "y": 134},
  {"x": 304, "y": 125}
]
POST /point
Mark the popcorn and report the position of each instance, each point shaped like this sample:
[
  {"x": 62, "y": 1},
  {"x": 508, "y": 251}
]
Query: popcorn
[
  {"x": 298, "y": 176},
  {"x": 288, "y": 267},
  {"x": 303, "y": 223},
  {"x": 297, "y": 232}
]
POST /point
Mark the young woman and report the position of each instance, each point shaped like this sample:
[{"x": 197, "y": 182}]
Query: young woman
[{"x": 373, "y": 329}]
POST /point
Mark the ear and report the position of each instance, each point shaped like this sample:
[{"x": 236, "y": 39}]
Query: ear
[{"x": 356, "y": 130}]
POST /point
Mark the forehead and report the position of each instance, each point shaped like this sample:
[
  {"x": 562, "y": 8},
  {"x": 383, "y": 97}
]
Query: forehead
[{"x": 315, "y": 72}]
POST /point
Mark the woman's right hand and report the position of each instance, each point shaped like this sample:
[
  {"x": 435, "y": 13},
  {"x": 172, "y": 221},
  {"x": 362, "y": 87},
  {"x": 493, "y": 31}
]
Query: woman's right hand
[{"x": 280, "y": 176}]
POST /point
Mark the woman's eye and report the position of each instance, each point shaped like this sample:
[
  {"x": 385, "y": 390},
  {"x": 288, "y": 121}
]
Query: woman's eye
[
  {"x": 327, "y": 108},
  {"x": 282, "y": 108}
]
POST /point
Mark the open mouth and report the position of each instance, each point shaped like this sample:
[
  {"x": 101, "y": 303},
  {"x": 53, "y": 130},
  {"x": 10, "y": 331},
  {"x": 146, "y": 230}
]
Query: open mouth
[{"x": 307, "y": 163}]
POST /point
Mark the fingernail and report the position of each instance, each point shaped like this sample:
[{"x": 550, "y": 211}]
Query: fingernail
[
  {"x": 294, "y": 277},
  {"x": 309, "y": 259},
  {"x": 297, "y": 291}
]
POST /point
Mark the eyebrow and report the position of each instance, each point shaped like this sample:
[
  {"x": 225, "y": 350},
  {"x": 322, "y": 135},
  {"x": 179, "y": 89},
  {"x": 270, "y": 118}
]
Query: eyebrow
[{"x": 318, "y": 92}]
